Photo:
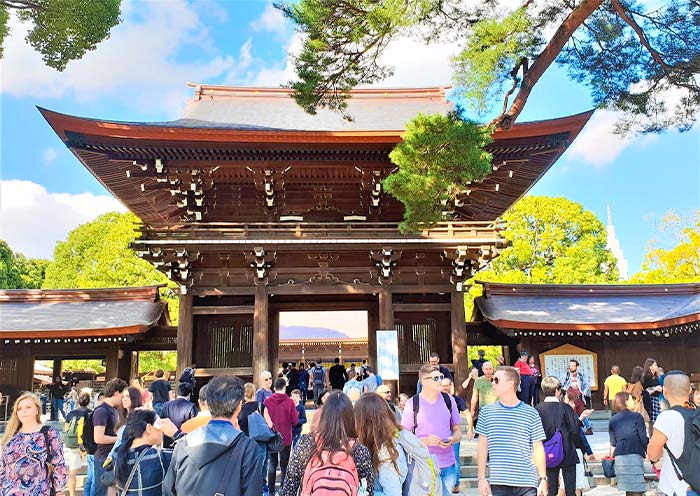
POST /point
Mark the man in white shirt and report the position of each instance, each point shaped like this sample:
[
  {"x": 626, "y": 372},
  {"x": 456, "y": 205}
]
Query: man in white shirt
[{"x": 669, "y": 430}]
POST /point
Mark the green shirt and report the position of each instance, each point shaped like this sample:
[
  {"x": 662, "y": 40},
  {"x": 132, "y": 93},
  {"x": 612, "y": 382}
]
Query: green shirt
[{"x": 485, "y": 391}]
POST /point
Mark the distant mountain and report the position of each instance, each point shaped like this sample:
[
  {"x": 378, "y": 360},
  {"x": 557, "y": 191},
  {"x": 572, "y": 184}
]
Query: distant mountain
[{"x": 304, "y": 332}]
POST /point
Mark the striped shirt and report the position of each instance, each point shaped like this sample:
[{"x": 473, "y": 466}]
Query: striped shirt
[{"x": 510, "y": 432}]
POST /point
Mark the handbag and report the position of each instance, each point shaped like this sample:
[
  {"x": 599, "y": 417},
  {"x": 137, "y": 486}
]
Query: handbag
[
  {"x": 554, "y": 446},
  {"x": 276, "y": 444},
  {"x": 50, "y": 468},
  {"x": 609, "y": 467},
  {"x": 107, "y": 477},
  {"x": 588, "y": 473}
]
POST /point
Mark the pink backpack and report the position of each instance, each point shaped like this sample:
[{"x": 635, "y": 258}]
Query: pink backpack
[{"x": 334, "y": 475}]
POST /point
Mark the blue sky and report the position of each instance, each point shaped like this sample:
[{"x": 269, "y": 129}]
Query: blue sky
[{"x": 139, "y": 74}]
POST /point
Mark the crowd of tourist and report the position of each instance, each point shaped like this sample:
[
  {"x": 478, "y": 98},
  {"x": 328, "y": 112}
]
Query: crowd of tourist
[{"x": 239, "y": 440}]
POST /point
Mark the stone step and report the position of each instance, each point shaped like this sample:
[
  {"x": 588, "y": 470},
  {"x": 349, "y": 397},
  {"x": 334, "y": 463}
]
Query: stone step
[
  {"x": 473, "y": 482},
  {"x": 470, "y": 470}
]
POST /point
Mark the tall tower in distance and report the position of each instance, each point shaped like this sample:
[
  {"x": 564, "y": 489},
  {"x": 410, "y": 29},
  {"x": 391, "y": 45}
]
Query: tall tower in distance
[{"x": 614, "y": 246}]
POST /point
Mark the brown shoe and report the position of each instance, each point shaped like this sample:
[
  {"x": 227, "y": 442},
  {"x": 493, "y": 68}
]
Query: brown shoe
[{"x": 455, "y": 490}]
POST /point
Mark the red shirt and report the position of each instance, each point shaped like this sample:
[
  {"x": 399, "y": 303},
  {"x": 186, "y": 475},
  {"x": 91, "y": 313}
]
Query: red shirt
[{"x": 523, "y": 368}]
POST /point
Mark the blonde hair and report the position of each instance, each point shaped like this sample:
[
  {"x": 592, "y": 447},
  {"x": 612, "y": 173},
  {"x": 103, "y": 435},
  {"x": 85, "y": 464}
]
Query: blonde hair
[
  {"x": 249, "y": 391},
  {"x": 14, "y": 425}
]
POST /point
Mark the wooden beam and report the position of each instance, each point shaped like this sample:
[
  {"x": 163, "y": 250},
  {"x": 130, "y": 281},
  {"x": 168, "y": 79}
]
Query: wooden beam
[
  {"x": 184, "y": 333},
  {"x": 216, "y": 291},
  {"x": 459, "y": 339},
  {"x": 112, "y": 362},
  {"x": 224, "y": 310},
  {"x": 261, "y": 329},
  {"x": 422, "y": 307}
]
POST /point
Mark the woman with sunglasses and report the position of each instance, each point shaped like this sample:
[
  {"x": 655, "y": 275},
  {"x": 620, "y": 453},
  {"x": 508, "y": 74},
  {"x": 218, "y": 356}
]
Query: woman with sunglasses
[
  {"x": 31, "y": 454},
  {"x": 140, "y": 463}
]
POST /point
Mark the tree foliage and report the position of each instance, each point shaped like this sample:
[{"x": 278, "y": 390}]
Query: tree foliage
[
  {"x": 18, "y": 271},
  {"x": 438, "y": 158},
  {"x": 679, "y": 263},
  {"x": 62, "y": 30},
  {"x": 555, "y": 241},
  {"x": 628, "y": 53},
  {"x": 150, "y": 361},
  {"x": 97, "y": 255}
]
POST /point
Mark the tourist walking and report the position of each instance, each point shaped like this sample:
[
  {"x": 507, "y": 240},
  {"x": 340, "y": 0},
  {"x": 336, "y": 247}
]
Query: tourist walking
[
  {"x": 537, "y": 374},
  {"x": 614, "y": 383},
  {"x": 434, "y": 360},
  {"x": 468, "y": 385},
  {"x": 292, "y": 378},
  {"x": 249, "y": 407},
  {"x": 57, "y": 393},
  {"x": 330, "y": 449},
  {"x": 559, "y": 421},
  {"x": 379, "y": 431},
  {"x": 318, "y": 379},
  {"x": 337, "y": 375},
  {"x": 160, "y": 391},
  {"x": 301, "y": 413},
  {"x": 510, "y": 437},
  {"x": 527, "y": 379},
  {"x": 483, "y": 394},
  {"x": 576, "y": 379},
  {"x": 105, "y": 419},
  {"x": 265, "y": 389},
  {"x": 179, "y": 410},
  {"x": 217, "y": 457},
  {"x": 668, "y": 439},
  {"x": 31, "y": 454},
  {"x": 628, "y": 444},
  {"x": 635, "y": 388},
  {"x": 284, "y": 416},
  {"x": 71, "y": 449},
  {"x": 303, "y": 382},
  {"x": 353, "y": 388},
  {"x": 448, "y": 388},
  {"x": 385, "y": 392},
  {"x": 652, "y": 389},
  {"x": 372, "y": 382},
  {"x": 433, "y": 416},
  {"x": 203, "y": 415},
  {"x": 140, "y": 463}
]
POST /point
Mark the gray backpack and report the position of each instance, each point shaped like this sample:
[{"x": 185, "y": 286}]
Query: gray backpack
[{"x": 423, "y": 478}]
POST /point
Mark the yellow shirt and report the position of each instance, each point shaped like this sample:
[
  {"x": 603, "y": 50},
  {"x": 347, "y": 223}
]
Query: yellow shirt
[{"x": 615, "y": 384}]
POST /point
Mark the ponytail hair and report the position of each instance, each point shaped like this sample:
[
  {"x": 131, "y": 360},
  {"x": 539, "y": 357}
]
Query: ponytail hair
[{"x": 135, "y": 426}]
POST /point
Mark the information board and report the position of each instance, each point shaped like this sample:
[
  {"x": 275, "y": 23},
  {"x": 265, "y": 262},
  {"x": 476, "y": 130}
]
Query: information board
[
  {"x": 556, "y": 362},
  {"x": 388, "y": 355}
]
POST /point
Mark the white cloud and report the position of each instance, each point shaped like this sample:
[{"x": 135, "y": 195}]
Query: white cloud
[
  {"x": 32, "y": 220},
  {"x": 140, "y": 60},
  {"x": 271, "y": 20},
  {"x": 418, "y": 64},
  {"x": 597, "y": 144},
  {"x": 49, "y": 156}
]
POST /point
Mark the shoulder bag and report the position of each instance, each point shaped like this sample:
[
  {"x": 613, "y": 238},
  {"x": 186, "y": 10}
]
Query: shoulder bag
[{"x": 49, "y": 466}]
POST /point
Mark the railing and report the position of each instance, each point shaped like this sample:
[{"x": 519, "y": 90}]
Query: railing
[{"x": 330, "y": 230}]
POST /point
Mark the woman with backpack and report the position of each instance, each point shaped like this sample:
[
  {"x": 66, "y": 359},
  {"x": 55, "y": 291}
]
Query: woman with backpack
[
  {"x": 75, "y": 420},
  {"x": 330, "y": 458},
  {"x": 249, "y": 407},
  {"x": 140, "y": 464},
  {"x": 31, "y": 454},
  {"x": 378, "y": 429}
]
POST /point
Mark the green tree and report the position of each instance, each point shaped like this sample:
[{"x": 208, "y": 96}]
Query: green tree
[
  {"x": 679, "y": 263},
  {"x": 84, "y": 364},
  {"x": 18, "y": 271},
  {"x": 555, "y": 241},
  {"x": 439, "y": 156},
  {"x": 62, "y": 30},
  {"x": 150, "y": 361},
  {"x": 97, "y": 255},
  {"x": 627, "y": 52}
]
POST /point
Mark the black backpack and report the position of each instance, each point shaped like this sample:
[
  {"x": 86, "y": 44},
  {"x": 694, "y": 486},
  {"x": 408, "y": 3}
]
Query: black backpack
[
  {"x": 686, "y": 465},
  {"x": 319, "y": 375},
  {"x": 89, "y": 443},
  {"x": 416, "y": 406}
]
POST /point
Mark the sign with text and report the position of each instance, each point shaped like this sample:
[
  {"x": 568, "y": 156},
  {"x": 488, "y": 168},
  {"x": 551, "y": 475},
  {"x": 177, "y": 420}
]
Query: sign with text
[
  {"x": 388, "y": 355},
  {"x": 556, "y": 362}
]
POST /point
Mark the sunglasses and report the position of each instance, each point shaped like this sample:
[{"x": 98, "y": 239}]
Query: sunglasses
[
  {"x": 495, "y": 380},
  {"x": 436, "y": 378},
  {"x": 268, "y": 378}
]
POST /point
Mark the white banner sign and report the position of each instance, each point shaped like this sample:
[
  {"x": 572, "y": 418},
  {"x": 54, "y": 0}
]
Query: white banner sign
[{"x": 388, "y": 355}]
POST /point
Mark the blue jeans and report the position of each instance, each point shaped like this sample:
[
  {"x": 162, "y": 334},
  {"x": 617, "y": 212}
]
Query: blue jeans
[
  {"x": 56, "y": 408},
  {"x": 457, "y": 463},
  {"x": 89, "y": 487},
  {"x": 497, "y": 490},
  {"x": 99, "y": 489},
  {"x": 262, "y": 450},
  {"x": 450, "y": 477}
]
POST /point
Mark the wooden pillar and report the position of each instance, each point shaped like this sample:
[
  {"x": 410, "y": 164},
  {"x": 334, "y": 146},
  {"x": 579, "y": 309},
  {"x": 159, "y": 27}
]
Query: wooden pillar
[
  {"x": 459, "y": 339},
  {"x": 25, "y": 368},
  {"x": 386, "y": 322},
  {"x": 112, "y": 362},
  {"x": 185, "y": 333},
  {"x": 261, "y": 328}
]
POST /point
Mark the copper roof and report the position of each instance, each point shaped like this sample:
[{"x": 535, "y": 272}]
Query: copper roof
[
  {"x": 65, "y": 313},
  {"x": 232, "y": 134},
  {"x": 590, "y": 307}
]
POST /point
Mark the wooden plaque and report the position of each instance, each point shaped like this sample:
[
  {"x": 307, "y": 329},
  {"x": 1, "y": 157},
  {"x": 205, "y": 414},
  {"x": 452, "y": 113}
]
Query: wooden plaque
[{"x": 556, "y": 362}]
